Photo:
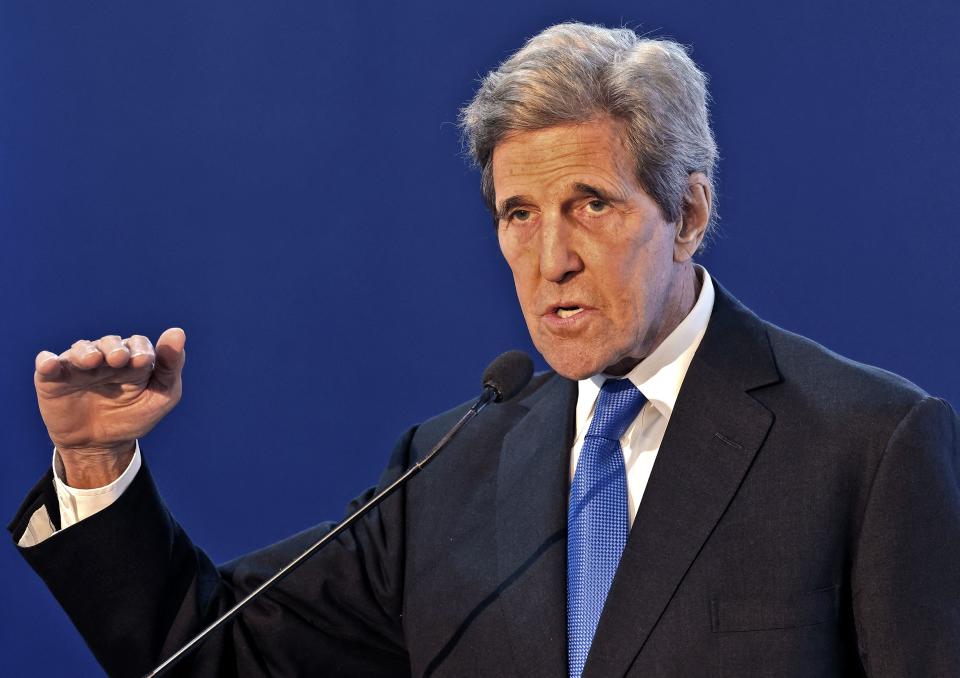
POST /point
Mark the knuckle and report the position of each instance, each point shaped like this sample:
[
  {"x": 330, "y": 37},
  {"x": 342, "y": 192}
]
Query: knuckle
[{"x": 138, "y": 344}]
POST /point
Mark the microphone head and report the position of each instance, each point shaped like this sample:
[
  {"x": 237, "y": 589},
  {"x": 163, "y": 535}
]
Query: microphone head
[{"x": 508, "y": 374}]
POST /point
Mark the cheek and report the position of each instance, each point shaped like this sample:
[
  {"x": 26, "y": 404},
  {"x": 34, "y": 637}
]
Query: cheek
[
  {"x": 635, "y": 285},
  {"x": 524, "y": 277},
  {"x": 628, "y": 278},
  {"x": 511, "y": 251}
]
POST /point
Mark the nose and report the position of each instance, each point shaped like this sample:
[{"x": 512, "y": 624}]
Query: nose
[{"x": 559, "y": 260}]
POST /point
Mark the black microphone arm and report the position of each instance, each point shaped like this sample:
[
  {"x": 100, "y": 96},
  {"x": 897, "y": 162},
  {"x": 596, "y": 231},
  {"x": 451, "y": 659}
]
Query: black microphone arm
[{"x": 504, "y": 378}]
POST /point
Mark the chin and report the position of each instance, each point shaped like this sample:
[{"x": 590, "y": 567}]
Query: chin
[{"x": 573, "y": 364}]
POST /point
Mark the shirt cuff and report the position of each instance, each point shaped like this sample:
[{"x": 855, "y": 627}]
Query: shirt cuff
[{"x": 77, "y": 504}]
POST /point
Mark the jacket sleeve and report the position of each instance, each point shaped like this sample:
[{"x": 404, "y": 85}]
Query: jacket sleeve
[
  {"x": 137, "y": 589},
  {"x": 906, "y": 571}
]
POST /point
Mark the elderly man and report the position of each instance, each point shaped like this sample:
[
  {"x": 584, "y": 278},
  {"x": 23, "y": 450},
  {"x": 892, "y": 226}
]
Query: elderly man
[{"x": 691, "y": 492}]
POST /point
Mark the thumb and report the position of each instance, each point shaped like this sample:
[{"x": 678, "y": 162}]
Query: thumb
[{"x": 170, "y": 357}]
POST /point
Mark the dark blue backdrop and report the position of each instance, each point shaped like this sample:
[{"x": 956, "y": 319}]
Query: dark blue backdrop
[{"x": 284, "y": 180}]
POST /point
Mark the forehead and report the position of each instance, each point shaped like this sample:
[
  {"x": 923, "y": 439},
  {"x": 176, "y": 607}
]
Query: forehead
[{"x": 560, "y": 155}]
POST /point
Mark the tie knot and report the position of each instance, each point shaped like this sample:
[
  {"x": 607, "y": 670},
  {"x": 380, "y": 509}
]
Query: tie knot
[{"x": 619, "y": 404}]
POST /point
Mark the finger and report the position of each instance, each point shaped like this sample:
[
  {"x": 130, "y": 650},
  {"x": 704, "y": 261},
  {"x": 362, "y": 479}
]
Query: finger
[
  {"x": 114, "y": 352},
  {"x": 170, "y": 357},
  {"x": 141, "y": 351},
  {"x": 47, "y": 365},
  {"x": 84, "y": 355}
]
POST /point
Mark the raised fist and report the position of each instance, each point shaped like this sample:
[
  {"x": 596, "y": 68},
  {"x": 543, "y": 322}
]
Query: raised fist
[{"x": 98, "y": 397}]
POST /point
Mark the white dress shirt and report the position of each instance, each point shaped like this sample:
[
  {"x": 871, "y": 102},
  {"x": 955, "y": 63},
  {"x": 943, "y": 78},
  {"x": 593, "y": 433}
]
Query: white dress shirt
[
  {"x": 658, "y": 376},
  {"x": 75, "y": 503}
]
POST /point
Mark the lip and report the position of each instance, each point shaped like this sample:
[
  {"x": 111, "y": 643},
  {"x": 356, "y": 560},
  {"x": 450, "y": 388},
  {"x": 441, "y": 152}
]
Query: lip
[
  {"x": 564, "y": 303},
  {"x": 555, "y": 322}
]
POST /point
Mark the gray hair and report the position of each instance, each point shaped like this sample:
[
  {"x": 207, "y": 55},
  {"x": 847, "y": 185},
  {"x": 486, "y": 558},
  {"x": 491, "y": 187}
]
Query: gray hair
[{"x": 574, "y": 72}]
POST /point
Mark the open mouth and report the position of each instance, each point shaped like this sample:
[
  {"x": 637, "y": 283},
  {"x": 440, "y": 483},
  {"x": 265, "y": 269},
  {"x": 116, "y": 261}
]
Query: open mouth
[{"x": 568, "y": 311}]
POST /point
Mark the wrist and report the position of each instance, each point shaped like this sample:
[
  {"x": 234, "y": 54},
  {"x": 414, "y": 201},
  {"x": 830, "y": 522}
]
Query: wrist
[{"x": 93, "y": 467}]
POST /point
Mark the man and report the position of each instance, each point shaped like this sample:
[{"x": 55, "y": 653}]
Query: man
[{"x": 691, "y": 492}]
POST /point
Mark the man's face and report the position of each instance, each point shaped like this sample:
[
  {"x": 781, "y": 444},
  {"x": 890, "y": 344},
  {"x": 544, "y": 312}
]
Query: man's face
[{"x": 591, "y": 255}]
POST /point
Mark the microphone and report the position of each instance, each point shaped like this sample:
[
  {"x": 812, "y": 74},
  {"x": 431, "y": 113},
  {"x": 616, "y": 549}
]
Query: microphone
[
  {"x": 508, "y": 374},
  {"x": 504, "y": 378}
]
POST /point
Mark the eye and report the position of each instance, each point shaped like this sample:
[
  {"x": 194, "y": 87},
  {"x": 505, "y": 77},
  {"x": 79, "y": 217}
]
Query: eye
[
  {"x": 519, "y": 215},
  {"x": 596, "y": 206}
]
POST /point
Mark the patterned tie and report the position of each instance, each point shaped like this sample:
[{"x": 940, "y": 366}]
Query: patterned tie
[{"x": 597, "y": 522}]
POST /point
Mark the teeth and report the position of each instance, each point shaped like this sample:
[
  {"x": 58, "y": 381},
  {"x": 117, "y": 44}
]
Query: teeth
[{"x": 568, "y": 312}]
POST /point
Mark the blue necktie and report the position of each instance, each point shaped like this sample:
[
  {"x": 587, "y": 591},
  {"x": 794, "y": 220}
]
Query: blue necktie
[{"x": 597, "y": 523}]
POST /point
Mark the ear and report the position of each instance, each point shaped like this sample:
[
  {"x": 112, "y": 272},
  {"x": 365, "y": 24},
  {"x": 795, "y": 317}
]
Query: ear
[{"x": 692, "y": 225}]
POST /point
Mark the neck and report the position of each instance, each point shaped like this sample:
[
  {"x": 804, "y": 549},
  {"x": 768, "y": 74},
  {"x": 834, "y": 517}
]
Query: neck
[{"x": 681, "y": 300}]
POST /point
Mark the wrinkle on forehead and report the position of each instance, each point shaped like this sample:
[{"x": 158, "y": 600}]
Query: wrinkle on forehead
[{"x": 556, "y": 157}]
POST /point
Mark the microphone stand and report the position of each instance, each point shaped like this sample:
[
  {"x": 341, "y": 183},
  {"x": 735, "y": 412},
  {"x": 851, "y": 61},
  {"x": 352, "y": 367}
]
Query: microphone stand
[{"x": 489, "y": 395}]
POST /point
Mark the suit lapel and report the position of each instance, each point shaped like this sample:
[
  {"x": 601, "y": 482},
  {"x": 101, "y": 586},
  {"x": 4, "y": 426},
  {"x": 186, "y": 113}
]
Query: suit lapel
[
  {"x": 532, "y": 488},
  {"x": 714, "y": 433}
]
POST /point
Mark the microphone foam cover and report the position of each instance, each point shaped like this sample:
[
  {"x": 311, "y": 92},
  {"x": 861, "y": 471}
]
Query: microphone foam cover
[{"x": 508, "y": 374}]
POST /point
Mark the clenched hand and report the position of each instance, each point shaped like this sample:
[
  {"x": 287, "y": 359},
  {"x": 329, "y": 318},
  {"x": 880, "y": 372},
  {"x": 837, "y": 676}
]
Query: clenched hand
[{"x": 98, "y": 397}]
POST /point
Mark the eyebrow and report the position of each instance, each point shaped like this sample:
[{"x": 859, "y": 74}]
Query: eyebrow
[
  {"x": 587, "y": 189},
  {"x": 515, "y": 201},
  {"x": 510, "y": 203}
]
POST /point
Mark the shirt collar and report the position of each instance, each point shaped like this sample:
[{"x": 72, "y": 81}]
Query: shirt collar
[{"x": 659, "y": 375}]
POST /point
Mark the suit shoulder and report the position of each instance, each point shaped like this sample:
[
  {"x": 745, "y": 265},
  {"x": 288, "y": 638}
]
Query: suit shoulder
[
  {"x": 840, "y": 383},
  {"x": 496, "y": 417}
]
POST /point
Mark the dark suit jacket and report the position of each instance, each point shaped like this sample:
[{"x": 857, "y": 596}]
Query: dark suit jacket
[{"x": 802, "y": 519}]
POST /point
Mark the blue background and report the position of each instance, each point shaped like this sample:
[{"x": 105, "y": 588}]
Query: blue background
[{"x": 284, "y": 180}]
